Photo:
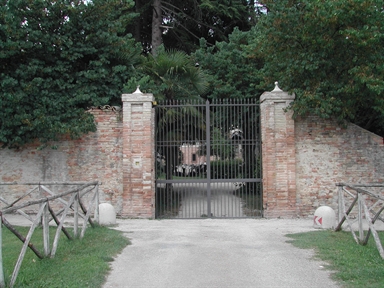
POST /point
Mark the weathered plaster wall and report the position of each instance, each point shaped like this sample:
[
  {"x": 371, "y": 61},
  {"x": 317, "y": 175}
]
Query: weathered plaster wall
[
  {"x": 96, "y": 156},
  {"x": 327, "y": 154}
]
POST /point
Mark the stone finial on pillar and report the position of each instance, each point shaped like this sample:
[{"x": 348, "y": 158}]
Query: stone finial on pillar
[
  {"x": 138, "y": 155},
  {"x": 137, "y": 91},
  {"x": 278, "y": 95},
  {"x": 277, "y": 88},
  {"x": 278, "y": 151}
]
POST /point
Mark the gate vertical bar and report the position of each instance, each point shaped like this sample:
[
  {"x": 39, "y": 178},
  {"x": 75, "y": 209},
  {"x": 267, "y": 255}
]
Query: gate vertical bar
[{"x": 208, "y": 147}]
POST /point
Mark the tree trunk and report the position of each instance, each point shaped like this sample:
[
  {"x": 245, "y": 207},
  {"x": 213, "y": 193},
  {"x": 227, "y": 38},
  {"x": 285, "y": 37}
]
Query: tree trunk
[
  {"x": 137, "y": 31},
  {"x": 157, "y": 20}
]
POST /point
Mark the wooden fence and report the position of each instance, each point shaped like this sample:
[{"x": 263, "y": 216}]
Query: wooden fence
[
  {"x": 48, "y": 206},
  {"x": 362, "y": 205}
]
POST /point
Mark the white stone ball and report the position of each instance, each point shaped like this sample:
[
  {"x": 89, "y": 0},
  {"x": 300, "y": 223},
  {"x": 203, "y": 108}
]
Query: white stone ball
[
  {"x": 324, "y": 217},
  {"x": 107, "y": 214}
]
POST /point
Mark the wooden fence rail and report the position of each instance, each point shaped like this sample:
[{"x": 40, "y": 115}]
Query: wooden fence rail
[
  {"x": 45, "y": 214},
  {"x": 364, "y": 207}
]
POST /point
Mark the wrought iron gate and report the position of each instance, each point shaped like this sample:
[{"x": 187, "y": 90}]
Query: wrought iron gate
[{"x": 208, "y": 161}]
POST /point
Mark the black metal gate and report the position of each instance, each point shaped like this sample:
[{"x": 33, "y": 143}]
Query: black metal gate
[{"x": 208, "y": 161}]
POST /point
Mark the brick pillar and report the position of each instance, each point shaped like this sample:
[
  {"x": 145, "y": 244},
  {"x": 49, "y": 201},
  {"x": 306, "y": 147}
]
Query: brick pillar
[
  {"x": 138, "y": 156},
  {"x": 278, "y": 151}
]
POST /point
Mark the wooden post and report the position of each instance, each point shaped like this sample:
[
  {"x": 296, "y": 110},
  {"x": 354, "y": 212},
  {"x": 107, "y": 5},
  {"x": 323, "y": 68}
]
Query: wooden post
[
  {"x": 97, "y": 205},
  {"x": 76, "y": 216},
  {"x": 373, "y": 231},
  {"x": 2, "y": 281},
  {"x": 45, "y": 222},
  {"x": 88, "y": 213},
  {"x": 360, "y": 217},
  {"x": 373, "y": 222},
  {"x": 58, "y": 222},
  {"x": 25, "y": 246},
  {"x": 340, "y": 202},
  {"x": 346, "y": 213},
  {"x": 40, "y": 193},
  {"x": 58, "y": 231}
]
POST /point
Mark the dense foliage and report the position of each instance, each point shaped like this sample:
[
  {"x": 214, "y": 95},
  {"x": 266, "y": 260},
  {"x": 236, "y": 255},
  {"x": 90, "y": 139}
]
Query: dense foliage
[
  {"x": 330, "y": 53},
  {"x": 57, "y": 58},
  {"x": 234, "y": 70}
]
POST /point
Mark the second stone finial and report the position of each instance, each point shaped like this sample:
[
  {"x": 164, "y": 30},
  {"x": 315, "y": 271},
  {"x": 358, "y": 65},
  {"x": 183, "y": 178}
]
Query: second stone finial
[
  {"x": 138, "y": 90},
  {"x": 277, "y": 88}
]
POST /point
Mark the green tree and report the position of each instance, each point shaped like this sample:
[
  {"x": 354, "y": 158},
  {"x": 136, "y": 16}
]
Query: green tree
[
  {"x": 58, "y": 58},
  {"x": 233, "y": 67},
  {"x": 181, "y": 24},
  {"x": 330, "y": 53}
]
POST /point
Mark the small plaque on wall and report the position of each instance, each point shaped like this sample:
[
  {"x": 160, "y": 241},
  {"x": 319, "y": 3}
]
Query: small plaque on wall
[{"x": 137, "y": 162}]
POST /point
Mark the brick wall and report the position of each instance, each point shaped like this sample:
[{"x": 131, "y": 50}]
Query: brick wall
[
  {"x": 120, "y": 155},
  {"x": 327, "y": 153},
  {"x": 96, "y": 156},
  {"x": 303, "y": 159}
]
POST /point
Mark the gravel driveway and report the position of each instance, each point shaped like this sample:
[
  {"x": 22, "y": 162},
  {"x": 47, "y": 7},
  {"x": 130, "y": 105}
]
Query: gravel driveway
[{"x": 215, "y": 253}]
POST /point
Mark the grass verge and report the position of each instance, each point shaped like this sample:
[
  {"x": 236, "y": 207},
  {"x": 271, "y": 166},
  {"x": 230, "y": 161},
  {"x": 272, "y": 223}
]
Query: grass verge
[
  {"x": 77, "y": 263},
  {"x": 353, "y": 265}
]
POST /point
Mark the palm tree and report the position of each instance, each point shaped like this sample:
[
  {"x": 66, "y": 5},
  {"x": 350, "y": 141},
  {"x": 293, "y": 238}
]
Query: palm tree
[{"x": 174, "y": 75}]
